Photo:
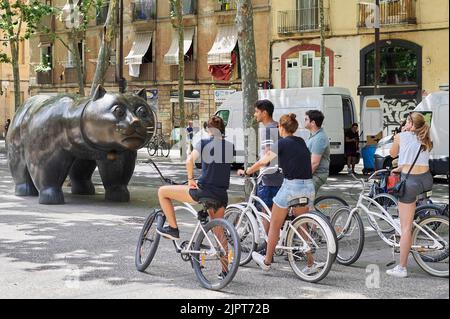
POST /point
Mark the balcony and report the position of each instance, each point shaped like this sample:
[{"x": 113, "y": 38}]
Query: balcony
[
  {"x": 225, "y": 5},
  {"x": 44, "y": 77},
  {"x": 393, "y": 12},
  {"x": 147, "y": 73},
  {"x": 189, "y": 71},
  {"x": 143, "y": 10},
  {"x": 301, "y": 20}
]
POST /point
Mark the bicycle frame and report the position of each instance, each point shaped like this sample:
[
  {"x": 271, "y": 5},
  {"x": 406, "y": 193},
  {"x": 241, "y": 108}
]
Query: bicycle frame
[
  {"x": 198, "y": 228},
  {"x": 387, "y": 218},
  {"x": 250, "y": 206}
]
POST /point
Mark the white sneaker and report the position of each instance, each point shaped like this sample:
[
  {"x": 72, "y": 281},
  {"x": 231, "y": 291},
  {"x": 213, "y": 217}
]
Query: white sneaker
[
  {"x": 398, "y": 271},
  {"x": 315, "y": 268},
  {"x": 259, "y": 259}
]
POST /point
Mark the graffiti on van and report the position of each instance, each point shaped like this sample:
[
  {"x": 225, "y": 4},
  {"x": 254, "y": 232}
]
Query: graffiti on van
[{"x": 395, "y": 111}]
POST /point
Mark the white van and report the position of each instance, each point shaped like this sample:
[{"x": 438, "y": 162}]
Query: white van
[
  {"x": 435, "y": 106},
  {"x": 336, "y": 104}
]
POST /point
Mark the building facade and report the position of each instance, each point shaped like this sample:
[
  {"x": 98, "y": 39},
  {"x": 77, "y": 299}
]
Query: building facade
[
  {"x": 414, "y": 48},
  {"x": 7, "y": 102},
  {"x": 151, "y": 55}
]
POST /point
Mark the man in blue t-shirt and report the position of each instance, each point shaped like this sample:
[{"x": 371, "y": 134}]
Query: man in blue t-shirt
[{"x": 319, "y": 146}]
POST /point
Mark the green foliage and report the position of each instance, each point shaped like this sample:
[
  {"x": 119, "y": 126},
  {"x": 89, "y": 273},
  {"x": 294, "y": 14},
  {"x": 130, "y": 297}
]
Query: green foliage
[{"x": 43, "y": 67}]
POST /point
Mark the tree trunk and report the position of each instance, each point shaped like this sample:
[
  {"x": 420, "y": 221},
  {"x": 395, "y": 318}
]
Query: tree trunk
[
  {"x": 180, "y": 28},
  {"x": 16, "y": 73},
  {"x": 322, "y": 44},
  {"x": 247, "y": 52},
  {"x": 78, "y": 66},
  {"x": 105, "y": 49},
  {"x": 75, "y": 51}
]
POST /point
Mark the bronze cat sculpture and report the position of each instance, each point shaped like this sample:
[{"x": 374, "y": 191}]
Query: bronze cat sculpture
[{"x": 52, "y": 137}]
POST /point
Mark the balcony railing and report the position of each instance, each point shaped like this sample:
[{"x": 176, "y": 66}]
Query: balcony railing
[
  {"x": 189, "y": 71},
  {"x": 392, "y": 12},
  {"x": 147, "y": 72},
  {"x": 44, "y": 77},
  {"x": 143, "y": 10},
  {"x": 225, "y": 5},
  {"x": 301, "y": 20}
]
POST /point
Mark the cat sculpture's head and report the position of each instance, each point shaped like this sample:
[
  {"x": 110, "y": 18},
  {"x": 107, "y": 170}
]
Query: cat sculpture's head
[{"x": 118, "y": 122}]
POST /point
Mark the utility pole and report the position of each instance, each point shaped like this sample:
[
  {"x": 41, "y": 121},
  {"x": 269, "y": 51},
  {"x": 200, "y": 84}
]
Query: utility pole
[
  {"x": 377, "y": 23},
  {"x": 121, "y": 79}
]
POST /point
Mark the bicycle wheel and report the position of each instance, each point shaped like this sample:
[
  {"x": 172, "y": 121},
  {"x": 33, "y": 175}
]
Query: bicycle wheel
[
  {"x": 428, "y": 210},
  {"x": 432, "y": 261},
  {"x": 246, "y": 233},
  {"x": 314, "y": 262},
  {"x": 350, "y": 239},
  {"x": 219, "y": 253},
  {"x": 390, "y": 205},
  {"x": 327, "y": 205},
  {"x": 165, "y": 149},
  {"x": 151, "y": 148},
  {"x": 148, "y": 241}
]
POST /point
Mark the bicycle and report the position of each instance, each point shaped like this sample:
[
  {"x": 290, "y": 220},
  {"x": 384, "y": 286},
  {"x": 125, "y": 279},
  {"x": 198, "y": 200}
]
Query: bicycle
[
  {"x": 380, "y": 192},
  {"x": 300, "y": 236},
  {"x": 430, "y": 235},
  {"x": 158, "y": 143},
  {"x": 212, "y": 241}
]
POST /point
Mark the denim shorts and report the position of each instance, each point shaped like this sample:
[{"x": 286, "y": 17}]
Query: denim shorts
[{"x": 293, "y": 189}]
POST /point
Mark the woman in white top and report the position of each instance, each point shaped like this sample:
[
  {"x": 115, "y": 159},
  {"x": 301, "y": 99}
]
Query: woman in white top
[{"x": 406, "y": 146}]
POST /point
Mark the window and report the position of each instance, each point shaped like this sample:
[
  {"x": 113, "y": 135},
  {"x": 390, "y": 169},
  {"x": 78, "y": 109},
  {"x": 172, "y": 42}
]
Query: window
[
  {"x": 71, "y": 57},
  {"x": 46, "y": 55},
  {"x": 102, "y": 13},
  {"x": 304, "y": 72},
  {"x": 308, "y": 15},
  {"x": 399, "y": 66},
  {"x": 224, "y": 115},
  {"x": 144, "y": 9},
  {"x": 189, "y": 7}
]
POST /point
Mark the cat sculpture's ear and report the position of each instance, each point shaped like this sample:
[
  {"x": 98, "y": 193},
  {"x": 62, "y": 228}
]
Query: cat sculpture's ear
[
  {"x": 99, "y": 93},
  {"x": 143, "y": 94}
]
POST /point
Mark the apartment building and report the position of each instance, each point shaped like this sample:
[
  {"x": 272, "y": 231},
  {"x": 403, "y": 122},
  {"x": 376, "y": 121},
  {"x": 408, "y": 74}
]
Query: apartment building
[
  {"x": 414, "y": 48},
  {"x": 151, "y": 55}
]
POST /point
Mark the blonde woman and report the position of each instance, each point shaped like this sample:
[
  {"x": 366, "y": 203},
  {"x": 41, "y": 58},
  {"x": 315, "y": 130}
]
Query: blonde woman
[{"x": 415, "y": 136}]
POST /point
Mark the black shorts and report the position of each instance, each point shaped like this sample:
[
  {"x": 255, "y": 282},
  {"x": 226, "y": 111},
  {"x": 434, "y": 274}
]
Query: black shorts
[{"x": 220, "y": 195}]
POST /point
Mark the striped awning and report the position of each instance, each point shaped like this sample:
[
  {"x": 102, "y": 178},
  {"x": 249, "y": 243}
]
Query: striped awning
[
  {"x": 140, "y": 47},
  {"x": 224, "y": 44},
  {"x": 171, "y": 57}
]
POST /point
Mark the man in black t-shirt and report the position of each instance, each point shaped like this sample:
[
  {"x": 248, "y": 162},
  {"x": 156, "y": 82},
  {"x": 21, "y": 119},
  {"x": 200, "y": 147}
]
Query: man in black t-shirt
[{"x": 352, "y": 147}]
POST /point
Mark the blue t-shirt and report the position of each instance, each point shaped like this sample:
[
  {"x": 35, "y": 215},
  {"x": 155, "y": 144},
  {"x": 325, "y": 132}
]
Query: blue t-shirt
[
  {"x": 217, "y": 155},
  {"x": 319, "y": 144},
  {"x": 294, "y": 158}
]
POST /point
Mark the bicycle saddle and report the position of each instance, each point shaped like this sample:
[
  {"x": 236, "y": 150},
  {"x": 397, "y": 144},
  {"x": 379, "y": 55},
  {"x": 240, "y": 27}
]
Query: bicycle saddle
[
  {"x": 299, "y": 202},
  {"x": 210, "y": 203}
]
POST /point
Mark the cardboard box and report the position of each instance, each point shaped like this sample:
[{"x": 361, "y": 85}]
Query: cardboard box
[{"x": 374, "y": 139}]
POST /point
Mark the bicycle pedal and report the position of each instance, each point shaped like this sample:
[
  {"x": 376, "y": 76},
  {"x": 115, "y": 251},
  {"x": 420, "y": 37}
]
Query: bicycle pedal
[{"x": 392, "y": 263}]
